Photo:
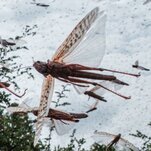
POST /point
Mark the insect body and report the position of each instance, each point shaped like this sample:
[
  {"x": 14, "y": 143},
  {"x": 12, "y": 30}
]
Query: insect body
[
  {"x": 52, "y": 114},
  {"x": 137, "y": 66},
  {"x": 59, "y": 70}
]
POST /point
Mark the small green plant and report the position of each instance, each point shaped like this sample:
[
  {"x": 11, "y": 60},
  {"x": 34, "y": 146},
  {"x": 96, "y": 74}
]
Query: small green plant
[{"x": 16, "y": 132}]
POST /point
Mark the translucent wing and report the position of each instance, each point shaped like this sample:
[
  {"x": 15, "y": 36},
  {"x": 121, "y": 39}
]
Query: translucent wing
[
  {"x": 100, "y": 91},
  {"x": 97, "y": 90},
  {"x": 12, "y": 110},
  {"x": 25, "y": 103},
  {"x": 80, "y": 90},
  {"x": 136, "y": 63},
  {"x": 18, "y": 42},
  {"x": 46, "y": 97},
  {"x": 48, "y": 122},
  {"x": 102, "y": 137},
  {"x": 91, "y": 49},
  {"x": 39, "y": 125},
  {"x": 76, "y": 36},
  {"x": 106, "y": 138},
  {"x": 63, "y": 127},
  {"x": 92, "y": 107}
]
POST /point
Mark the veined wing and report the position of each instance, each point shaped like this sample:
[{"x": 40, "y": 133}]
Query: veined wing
[
  {"x": 106, "y": 138},
  {"x": 96, "y": 89},
  {"x": 12, "y": 110},
  {"x": 62, "y": 127},
  {"x": 46, "y": 97},
  {"x": 91, "y": 49},
  {"x": 109, "y": 84},
  {"x": 76, "y": 36},
  {"x": 100, "y": 91},
  {"x": 136, "y": 63}
]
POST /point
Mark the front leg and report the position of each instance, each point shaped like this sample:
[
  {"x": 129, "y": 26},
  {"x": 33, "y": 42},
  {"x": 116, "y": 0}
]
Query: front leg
[{"x": 3, "y": 85}]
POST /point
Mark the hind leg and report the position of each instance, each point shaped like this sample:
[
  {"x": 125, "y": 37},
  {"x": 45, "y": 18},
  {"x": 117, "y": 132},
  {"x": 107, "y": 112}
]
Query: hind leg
[{"x": 95, "y": 84}]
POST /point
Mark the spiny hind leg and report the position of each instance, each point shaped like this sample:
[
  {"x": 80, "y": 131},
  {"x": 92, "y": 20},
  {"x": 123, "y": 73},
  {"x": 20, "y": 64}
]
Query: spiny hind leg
[
  {"x": 96, "y": 84},
  {"x": 81, "y": 67}
]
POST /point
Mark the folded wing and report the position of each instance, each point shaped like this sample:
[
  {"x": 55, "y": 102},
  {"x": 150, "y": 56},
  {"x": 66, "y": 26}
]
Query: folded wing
[{"x": 46, "y": 97}]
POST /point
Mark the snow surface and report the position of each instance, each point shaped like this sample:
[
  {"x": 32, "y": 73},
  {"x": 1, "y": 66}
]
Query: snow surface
[{"x": 128, "y": 35}]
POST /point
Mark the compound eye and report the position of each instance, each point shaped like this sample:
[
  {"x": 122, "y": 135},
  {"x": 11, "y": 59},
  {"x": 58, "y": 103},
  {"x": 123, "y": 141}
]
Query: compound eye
[{"x": 38, "y": 61}]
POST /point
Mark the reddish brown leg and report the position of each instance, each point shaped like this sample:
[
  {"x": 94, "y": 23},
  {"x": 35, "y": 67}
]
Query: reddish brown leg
[
  {"x": 78, "y": 115},
  {"x": 114, "y": 141},
  {"x": 130, "y": 74},
  {"x": 93, "y": 109},
  {"x": 80, "y": 67},
  {"x": 67, "y": 81},
  {"x": 120, "y": 82},
  {"x": 92, "y": 94},
  {"x": 64, "y": 122},
  {"x": 95, "y": 84},
  {"x": 3, "y": 86},
  {"x": 125, "y": 97}
]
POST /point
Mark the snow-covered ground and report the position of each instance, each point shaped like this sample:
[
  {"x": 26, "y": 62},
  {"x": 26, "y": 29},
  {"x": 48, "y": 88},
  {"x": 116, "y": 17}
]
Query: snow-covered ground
[{"x": 128, "y": 35}]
